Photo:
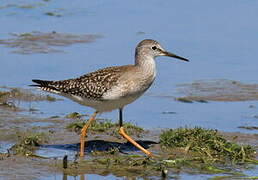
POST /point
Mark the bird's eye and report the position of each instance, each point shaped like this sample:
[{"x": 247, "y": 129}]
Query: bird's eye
[{"x": 154, "y": 47}]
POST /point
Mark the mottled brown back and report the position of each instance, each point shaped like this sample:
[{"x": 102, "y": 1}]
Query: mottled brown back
[{"x": 92, "y": 85}]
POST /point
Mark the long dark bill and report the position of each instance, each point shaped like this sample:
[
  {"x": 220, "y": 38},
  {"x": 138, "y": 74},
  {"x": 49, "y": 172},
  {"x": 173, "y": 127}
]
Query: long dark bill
[{"x": 175, "y": 56}]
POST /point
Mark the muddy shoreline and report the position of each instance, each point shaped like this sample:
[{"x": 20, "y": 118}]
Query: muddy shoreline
[
  {"x": 54, "y": 137},
  {"x": 98, "y": 147}
]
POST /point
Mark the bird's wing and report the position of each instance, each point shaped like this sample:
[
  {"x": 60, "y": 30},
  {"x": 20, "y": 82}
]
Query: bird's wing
[{"x": 92, "y": 85}]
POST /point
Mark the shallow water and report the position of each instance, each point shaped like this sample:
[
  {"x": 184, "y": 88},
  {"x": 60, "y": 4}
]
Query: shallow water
[
  {"x": 219, "y": 38},
  {"x": 80, "y": 177}
]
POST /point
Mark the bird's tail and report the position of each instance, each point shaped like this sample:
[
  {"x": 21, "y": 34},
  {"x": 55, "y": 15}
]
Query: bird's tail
[
  {"x": 40, "y": 83},
  {"x": 44, "y": 85}
]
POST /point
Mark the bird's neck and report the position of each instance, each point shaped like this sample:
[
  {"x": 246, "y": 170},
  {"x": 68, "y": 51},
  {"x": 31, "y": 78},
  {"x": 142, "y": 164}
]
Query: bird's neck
[{"x": 146, "y": 65}]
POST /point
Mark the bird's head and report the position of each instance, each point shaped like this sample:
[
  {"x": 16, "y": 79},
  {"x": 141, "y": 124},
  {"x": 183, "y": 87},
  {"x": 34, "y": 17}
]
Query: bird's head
[{"x": 149, "y": 47}]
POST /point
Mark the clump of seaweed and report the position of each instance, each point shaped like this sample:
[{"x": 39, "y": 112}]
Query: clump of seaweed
[
  {"x": 74, "y": 115},
  {"x": 105, "y": 126},
  {"x": 97, "y": 126},
  {"x": 209, "y": 145},
  {"x": 133, "y": 129},
  {"x": 28, "y": 143}
]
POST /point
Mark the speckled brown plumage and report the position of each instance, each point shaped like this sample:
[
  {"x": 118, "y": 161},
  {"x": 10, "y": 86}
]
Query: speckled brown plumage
[{"x": 92, "y": 85}]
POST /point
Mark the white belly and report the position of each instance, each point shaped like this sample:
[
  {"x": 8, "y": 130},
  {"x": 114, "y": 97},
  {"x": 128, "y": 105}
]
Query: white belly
[{"x": 105, "y": 105}]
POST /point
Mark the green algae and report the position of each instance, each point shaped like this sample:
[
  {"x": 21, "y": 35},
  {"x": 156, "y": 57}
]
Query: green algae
[
  {"x": 140, "y": 166},
  {"x": 109, "y": 151},
  {"x": 133, "y": 129},
  {"x": 74, "y": 115},
  {"x": 102, "y": 126},
  {"x": 209, "y": 145},
  {"x": 166, "y": 162},
  {"x": 192, "y": 150},
  {"x": 97, "y": 126},
  {"x": 116, "y": 164},
  {"x": 28, "y": 143}
]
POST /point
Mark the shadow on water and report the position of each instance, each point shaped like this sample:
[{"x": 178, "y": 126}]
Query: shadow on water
[{"x": 102, "y": 145}]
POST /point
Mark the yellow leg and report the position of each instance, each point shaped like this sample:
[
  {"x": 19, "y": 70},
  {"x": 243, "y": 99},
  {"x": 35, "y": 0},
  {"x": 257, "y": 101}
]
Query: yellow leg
[
  {"x": 83, "y": 132},
  {"x": 122, "y": 133}
]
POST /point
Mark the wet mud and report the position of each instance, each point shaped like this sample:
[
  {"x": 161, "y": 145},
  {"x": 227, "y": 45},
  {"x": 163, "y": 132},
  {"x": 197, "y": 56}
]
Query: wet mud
[
  {"x": 217, "y": 90},
  {"x": 11, "y": 98},
  {"x": 20, "y": 6},
  {"x": 44, "y": 42}
]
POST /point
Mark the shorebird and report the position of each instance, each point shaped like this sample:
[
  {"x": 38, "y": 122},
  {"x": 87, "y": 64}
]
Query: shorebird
[{"x": 112, "y": 87}]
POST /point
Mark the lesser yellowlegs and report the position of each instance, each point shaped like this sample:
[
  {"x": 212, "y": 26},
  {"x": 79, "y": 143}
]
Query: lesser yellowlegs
[{"x": 113, "y": 87}]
